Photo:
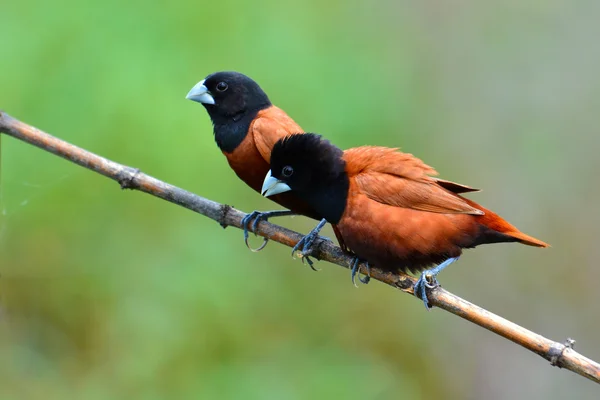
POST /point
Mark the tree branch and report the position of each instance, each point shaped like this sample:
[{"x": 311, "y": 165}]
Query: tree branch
[{"x": 560, "y": 355}]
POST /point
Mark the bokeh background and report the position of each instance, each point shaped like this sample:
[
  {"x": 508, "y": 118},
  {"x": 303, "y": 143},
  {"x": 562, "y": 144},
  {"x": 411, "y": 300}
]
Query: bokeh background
[{"x": 107, "y": 294}]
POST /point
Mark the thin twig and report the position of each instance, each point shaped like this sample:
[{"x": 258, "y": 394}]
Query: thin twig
[{"x": 560, "y": 355}]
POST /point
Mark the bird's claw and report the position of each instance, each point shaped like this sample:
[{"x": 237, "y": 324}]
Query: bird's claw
[
  {"x": 356, "y": 270},
  {"x": 307, "y": 244},
  {"x": 422, "y": 285},
  {"x": 307, "y": 248},
  {"x": 428, "y": 280},
  {"x": 257, "y": 216},
  {"x": 310, "y": 262}
]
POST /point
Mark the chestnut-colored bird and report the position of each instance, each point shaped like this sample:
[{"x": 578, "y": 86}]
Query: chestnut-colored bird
[
  {"x": 385, "y": 204},
  {"x": 246, "y": 126}
]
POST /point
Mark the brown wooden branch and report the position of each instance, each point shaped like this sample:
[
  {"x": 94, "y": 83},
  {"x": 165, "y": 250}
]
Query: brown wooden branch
[{"x": 560, "y": 355}]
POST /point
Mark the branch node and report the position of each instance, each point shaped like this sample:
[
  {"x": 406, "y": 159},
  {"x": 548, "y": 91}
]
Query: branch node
[
  {"x": 126, "y": 178},
  {"x": 556, "y": 351},
  {"x": 404, "y": 282},
  {"x": 223, "y": 218}
]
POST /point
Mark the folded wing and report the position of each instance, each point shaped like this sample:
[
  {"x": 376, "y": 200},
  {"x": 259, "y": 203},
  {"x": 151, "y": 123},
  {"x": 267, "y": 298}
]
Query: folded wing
[{"x": 400, "y": 179}]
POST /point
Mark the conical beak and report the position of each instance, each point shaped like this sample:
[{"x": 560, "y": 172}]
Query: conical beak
[
  {"x": 272, "y": 186},
  {"x": 200, "y": 94}
]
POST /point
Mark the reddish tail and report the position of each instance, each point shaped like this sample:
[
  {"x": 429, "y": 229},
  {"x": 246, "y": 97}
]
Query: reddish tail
[{"x": 508, "y": 232}]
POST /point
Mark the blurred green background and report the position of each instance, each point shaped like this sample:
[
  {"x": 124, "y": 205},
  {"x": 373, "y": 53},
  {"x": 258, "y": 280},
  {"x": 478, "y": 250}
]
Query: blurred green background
[{"x": 107, "y": 294}]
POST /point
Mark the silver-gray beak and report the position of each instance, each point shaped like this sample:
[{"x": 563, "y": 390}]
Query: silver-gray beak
[
  {"x": 272, "y": 186},
  {"x": 200, "y": 94}
]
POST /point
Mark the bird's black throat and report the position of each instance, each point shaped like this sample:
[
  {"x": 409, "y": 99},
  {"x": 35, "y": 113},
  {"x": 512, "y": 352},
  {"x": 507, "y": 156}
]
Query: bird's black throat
[
  {"x": 231, "y": 130},
  {"x": 329, "y": 199}
]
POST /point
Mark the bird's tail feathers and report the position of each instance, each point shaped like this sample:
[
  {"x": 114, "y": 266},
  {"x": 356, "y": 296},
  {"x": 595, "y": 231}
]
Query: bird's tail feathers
[{"x": 500, "y": 226}]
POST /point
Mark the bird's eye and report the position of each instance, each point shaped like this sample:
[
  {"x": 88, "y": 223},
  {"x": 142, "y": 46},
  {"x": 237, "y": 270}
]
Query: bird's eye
[
  {"x": 287, "y": 171},
  {"x": 222, "y": 86}
]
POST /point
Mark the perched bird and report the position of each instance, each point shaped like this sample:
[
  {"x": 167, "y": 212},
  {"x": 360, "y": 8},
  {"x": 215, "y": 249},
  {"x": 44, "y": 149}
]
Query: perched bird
[
  {"x": 246, "y": 126},
  {"x": 386, "y": 206}
]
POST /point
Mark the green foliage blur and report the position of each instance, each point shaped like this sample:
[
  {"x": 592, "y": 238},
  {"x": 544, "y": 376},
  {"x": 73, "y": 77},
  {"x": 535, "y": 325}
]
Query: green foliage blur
[{"x": 110, "y": 294}]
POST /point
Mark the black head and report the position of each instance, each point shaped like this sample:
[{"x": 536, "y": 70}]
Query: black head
[
  {"x": 232, "y": 100},
  {"x": 305, "y": 161},
  {"x": 228, "y": 94},
  {"x": 313, "y": 169}
]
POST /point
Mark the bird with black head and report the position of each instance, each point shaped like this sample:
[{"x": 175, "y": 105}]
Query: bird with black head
[
  {"x": 246, "y": 126},
  {"x": 386, "y": 206}
]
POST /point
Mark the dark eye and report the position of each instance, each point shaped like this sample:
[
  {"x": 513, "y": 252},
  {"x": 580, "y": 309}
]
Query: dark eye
[
  {"x": 222, "y": 86},
  {"x": 287, "y": 171}
]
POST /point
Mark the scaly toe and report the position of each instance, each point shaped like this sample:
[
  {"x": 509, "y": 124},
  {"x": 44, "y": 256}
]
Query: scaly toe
[
  {"x": 245, "y": 224},
  {"x": 420, "y": 290},
  {"x": 310, "y": 263},
  {"x": 257, "y": 221},
  {"x": 307, "y": 249}
]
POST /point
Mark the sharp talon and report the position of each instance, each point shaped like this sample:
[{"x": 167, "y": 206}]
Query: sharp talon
[
  {"x": 245, "y": 223},
  {"x": 262, "y": 246},
  {"x": 367, "y": 277},
  {"x": 356, "y": 271},
  {"x": 310, "y": 263},
  {"x": 305, "y": 257},
  {"x": 258, "y": 217}
]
